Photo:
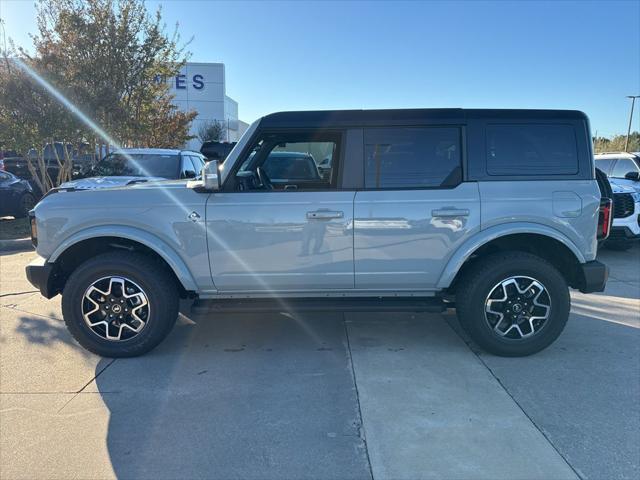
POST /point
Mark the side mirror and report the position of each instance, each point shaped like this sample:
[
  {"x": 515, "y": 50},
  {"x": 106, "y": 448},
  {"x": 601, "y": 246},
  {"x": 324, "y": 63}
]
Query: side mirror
[
  {"x": 211, "y": 176},
  {"x": 635, "y": 176}
]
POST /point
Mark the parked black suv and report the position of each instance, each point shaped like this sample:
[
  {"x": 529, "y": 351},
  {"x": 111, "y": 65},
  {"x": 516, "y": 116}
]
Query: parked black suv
[{"x": 217, "y": 150}]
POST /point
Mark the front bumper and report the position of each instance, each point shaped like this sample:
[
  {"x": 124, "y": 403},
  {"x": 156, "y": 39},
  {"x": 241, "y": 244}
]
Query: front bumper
[
  {"x": 622, "y": 234},
  {"x": 42, "y": 275},
  {"x": 593, "y": 277}
]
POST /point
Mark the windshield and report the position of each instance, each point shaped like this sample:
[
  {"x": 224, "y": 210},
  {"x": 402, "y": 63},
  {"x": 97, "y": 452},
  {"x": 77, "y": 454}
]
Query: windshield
[{"x": 138, "y": 165}]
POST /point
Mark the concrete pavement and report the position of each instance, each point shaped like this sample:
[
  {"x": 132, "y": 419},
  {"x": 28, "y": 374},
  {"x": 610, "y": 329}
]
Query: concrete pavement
[
  {"x": 321, "y": 396},
  {"x": 432, "y": 410}
]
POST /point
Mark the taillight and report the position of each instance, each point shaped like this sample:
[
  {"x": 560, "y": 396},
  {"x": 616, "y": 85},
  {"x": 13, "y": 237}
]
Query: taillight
[{"x": 604, "y": 218}]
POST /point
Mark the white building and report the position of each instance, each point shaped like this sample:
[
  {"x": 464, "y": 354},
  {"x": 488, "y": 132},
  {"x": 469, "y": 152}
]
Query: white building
[{"x": 201, "y": 87}]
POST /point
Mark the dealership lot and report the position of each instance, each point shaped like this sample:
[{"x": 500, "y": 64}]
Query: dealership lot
[{"x": 322, "y": 395}]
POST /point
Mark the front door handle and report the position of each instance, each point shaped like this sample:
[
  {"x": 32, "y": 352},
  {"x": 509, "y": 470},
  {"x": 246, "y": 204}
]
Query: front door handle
[
  {"x": 450, "y": 212},
  {"x": 324, "y": 215}
]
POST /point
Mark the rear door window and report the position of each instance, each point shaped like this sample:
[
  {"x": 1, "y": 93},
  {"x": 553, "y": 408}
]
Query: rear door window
[
  {"x": 412, "y": 157},
  {"x": 529, "y": 150}
]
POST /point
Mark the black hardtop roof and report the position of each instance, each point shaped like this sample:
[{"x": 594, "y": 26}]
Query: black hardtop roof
[{"x": 338, "y": 118}]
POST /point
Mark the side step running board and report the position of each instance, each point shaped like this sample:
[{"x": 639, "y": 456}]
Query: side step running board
[{"x": 364, "y": 304}]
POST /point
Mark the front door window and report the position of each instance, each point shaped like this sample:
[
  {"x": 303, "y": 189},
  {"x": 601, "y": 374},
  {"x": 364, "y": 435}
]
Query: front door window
[{"x": 291, "y": 162}]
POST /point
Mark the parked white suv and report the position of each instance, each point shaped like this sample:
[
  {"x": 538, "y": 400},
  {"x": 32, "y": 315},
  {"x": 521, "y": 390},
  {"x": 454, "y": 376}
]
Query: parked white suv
[
  {"x": 625, "y": 229},
  {"x": 623, "y": 168},
  {"x": 128, "y": 166}
]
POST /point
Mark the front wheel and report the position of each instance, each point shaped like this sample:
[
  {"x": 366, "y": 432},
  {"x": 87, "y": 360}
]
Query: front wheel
[
  {"x": 513, "y": 303},
  {"x": 120, "y": 304}
]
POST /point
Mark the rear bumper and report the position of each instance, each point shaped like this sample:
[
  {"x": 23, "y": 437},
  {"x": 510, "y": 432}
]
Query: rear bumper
[
  {"x": 42, "y": 276},
  {"x": 594, "y": 277}
]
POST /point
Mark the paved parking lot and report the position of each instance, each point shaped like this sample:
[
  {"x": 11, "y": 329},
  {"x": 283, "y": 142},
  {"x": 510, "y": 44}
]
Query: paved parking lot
[{"x": 365, "y": 395}]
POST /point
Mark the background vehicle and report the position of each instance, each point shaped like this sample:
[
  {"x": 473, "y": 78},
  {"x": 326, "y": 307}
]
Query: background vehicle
[
  {"x": 324, "y": 167},
  {"x": 625, "y": 229},
  {"x": 500, "y": 229},
  {"x": 621, "y": 166},
  {"x": 18, "y": 164},
  {"x": 217, "y": 150},
  {"x": 16, "y": 196},
  {"x": 284, "y": 169},
  {"x": 129, "y": 166}
]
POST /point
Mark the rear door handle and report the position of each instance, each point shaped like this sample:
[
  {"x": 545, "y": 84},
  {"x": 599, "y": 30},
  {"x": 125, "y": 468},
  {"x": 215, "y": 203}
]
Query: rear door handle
[
  {"x": 324, "y": 215},
  {"x": 450, "y": 212}
]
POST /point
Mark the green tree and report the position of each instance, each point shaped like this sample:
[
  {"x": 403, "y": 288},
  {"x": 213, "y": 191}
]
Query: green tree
[
  {"x": 616, "y": 143},
  {"x": 212, "y": 131},
  {"x": 109, "y": 58}
]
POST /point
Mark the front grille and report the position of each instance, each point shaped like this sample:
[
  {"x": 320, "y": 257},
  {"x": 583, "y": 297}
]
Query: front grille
[{"x": 622, "y": 205}]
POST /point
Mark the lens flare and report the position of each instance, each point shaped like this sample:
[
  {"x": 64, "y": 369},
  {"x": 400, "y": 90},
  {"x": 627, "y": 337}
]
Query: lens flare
[
  {"x": 55, "y": 93},
  {"x": 64, "y": 101}
]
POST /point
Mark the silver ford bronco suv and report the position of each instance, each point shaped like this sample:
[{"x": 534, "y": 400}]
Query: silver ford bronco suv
[{"x": 495, "y": 213}]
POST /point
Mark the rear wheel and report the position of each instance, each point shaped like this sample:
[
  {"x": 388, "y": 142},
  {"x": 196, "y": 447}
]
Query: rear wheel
[
  {"x": 513, "y": 303},
  {"x": 120, "y": 304}
]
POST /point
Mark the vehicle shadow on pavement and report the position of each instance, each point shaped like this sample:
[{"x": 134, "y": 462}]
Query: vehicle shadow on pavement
[
  {"x": 238, "y": 396},
  {"x": 41, "y": 331}
]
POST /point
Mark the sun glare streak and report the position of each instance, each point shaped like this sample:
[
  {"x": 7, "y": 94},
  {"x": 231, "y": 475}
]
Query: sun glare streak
[
  {"x": 54, "y": 92},
  {"x": 64, "y": 101}
]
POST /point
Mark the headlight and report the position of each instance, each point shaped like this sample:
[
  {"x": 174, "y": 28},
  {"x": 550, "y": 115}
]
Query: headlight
[
  {"x": 34, "y": 230},
  {"x": 636, "y": 196}
]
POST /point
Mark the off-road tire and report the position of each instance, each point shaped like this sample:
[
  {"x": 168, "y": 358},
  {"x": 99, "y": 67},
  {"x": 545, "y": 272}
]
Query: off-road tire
[
  {"x": 477, "y": 283},
  {"x": 158, "y": 284}
]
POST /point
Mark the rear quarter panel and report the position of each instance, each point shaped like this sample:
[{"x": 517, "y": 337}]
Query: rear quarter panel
[{"x": 567, "y": 206}]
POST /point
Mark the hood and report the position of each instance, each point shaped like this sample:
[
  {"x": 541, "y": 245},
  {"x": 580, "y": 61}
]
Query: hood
[
  {"x": 92, "y": 183},
  {"x": 620, "y": 188}
]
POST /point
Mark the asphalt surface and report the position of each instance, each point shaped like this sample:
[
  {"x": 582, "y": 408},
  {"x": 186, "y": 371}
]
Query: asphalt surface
[{"x": 367, "y": 395}]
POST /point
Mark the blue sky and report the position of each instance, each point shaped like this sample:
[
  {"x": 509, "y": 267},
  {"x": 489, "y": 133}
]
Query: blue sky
[{"x": 323, "y": 55}]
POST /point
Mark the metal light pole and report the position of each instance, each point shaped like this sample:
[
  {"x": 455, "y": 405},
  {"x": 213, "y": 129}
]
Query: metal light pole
[{"x": 633, "y": 102}]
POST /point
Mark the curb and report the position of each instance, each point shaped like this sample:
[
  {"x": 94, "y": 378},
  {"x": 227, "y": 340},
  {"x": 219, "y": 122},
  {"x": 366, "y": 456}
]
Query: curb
[{"x": 20, "y": 244}]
